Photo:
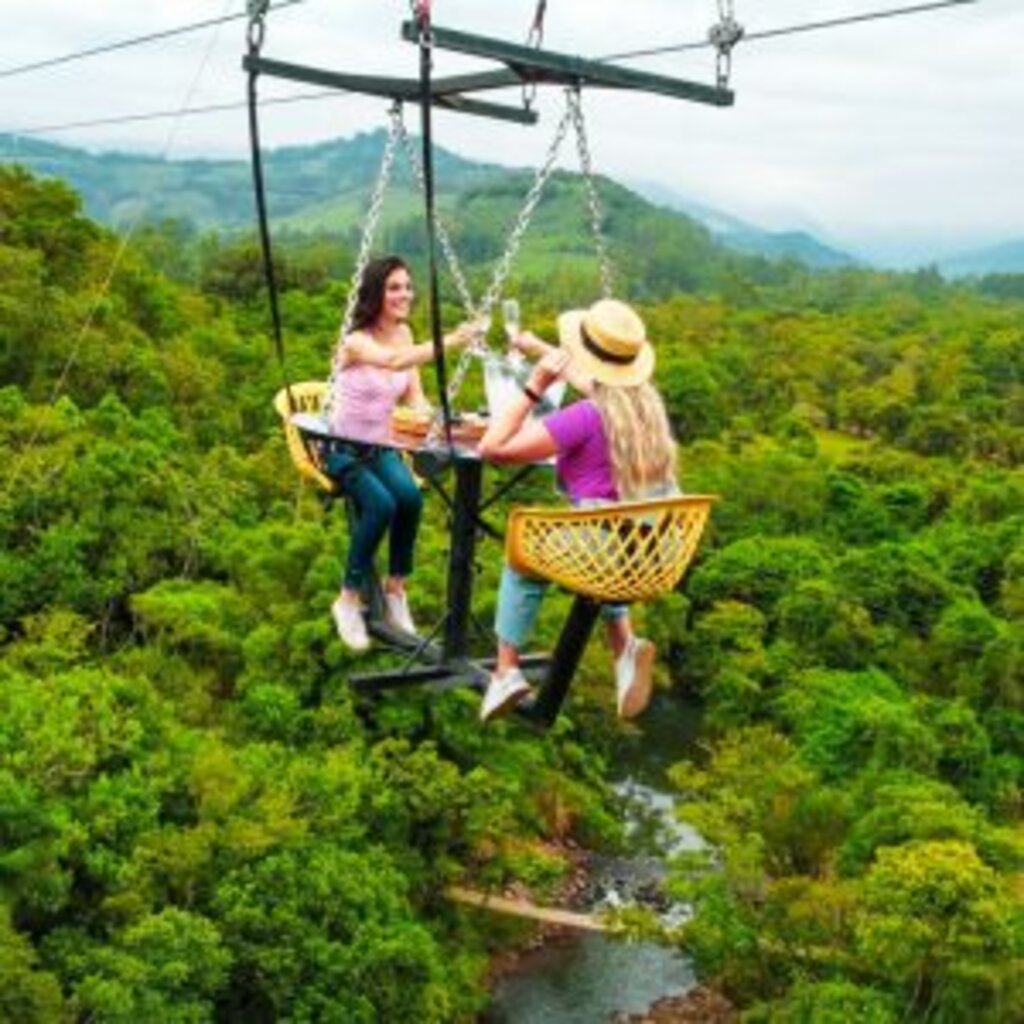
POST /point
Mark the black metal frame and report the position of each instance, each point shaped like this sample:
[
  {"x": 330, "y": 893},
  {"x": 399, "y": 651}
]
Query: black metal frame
[
  {"x": 528, "y": 65},
  {"x": 448, "y": 664},
  {"x": 404, "y": 89}
]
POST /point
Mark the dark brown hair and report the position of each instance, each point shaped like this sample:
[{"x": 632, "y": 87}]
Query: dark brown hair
[{"x": 370, "y": 299}]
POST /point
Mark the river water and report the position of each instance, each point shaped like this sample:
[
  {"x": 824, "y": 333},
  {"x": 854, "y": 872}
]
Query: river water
[{"x": 585, "y": 977}]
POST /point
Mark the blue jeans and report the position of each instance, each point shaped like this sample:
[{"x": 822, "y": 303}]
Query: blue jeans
[
  {"x": 519, "y": 601},
  {"x": 386, "y": 497}
]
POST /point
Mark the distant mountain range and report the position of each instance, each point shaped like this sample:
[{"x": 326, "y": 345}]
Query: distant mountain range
[
  {"x": 324, "y": 187},
  {"x": 305, "y": 182},
  {"x": 745, "y": 237},
  {"x": 1006, "y": 258},
  {"x": 1003, "y": 258}
]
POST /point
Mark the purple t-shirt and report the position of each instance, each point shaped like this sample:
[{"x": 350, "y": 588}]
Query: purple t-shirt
[{"x": 581, "y": 460}]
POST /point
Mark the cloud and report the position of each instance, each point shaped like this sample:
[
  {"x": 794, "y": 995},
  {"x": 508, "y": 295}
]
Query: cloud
[{"x": 906, "y": 124}]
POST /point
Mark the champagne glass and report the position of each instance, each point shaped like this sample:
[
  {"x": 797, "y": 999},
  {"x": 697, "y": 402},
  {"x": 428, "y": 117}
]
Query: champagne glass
[
  {"x": 510, "y": 316},
  {"x": 481, "y": 325}
]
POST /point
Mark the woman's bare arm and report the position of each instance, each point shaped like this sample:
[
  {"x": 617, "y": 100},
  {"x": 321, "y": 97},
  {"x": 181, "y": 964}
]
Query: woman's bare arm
[
  {"x": 414, "y": 393},
  {"x": 361, "y": 347},
  {"x": 531, "y": 443},
  {"x": 537, "y": 348},
  {"x": 511, "y": 438}
]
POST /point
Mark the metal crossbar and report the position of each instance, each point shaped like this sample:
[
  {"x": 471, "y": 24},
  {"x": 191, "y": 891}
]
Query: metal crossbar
[
  {"x": 530, "y": 64},
  {"x": 406, "y": 89}
]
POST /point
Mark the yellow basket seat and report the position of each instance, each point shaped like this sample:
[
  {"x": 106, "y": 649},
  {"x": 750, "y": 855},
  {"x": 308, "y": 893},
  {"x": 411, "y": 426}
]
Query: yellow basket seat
[
  {"x": 621, "y": 552},
  {"x": 308, "y": 396}
]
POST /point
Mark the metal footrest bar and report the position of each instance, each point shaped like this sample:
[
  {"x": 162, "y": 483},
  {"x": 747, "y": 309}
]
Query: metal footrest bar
[
  {"x": 444, "y": 675},
  {"x": 419, "y": 675},
  {"x": 397, "y": 640},
  {"x": 527, "y": 662},
  {"x": 426, "y": 649}
]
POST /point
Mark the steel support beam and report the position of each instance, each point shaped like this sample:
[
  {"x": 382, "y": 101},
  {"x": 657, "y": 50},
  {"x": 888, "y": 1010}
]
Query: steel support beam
[
  {"x": 405, "y": 89},
  {"x": 528, "y": 64}
]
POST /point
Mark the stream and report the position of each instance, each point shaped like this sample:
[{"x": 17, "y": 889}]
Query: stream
[{"x": 585, "y": 977}]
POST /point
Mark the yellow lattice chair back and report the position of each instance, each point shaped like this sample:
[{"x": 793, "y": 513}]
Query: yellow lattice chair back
[
  {"x": 307, "y": 396},
  {"x": 621, "y": 552}
]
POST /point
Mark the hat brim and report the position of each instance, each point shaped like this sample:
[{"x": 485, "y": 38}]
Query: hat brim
[{"x": 623, "y": 375}]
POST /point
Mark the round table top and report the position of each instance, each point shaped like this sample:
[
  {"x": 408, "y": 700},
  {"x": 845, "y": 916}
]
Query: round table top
[{"x": 314, "y": 424}]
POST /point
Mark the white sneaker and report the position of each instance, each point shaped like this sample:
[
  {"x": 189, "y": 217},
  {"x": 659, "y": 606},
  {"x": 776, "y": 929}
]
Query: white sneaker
[
  {"x": 396, "y": 612},
  {"x": 633, "y": 670},
  {"x": 504, "y": 692},
  {"x": 348, "y": 618}
]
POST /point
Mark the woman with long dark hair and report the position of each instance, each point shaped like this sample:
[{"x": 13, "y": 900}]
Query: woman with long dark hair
[{"x": 376, "y": 369}]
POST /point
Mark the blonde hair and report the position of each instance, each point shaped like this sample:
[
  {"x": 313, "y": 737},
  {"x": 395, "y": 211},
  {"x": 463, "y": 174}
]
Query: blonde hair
[{"x": 640, "y": 442}]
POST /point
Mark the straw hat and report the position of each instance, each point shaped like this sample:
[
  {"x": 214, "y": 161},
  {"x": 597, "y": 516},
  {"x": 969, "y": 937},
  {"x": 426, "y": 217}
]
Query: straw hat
[{"x": 608, "y": 342}]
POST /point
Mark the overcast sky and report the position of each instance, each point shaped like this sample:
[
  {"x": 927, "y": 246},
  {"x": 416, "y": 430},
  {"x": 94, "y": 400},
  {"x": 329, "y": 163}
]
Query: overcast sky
[{"x": 905, "y": 129}]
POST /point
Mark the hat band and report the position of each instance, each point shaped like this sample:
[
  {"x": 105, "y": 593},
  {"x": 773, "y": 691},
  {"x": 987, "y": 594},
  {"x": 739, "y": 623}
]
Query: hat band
[{"x": 605, "y": 356}]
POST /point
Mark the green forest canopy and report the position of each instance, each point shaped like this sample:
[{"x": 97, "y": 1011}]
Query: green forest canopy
[{"x": 197, "y": 821}]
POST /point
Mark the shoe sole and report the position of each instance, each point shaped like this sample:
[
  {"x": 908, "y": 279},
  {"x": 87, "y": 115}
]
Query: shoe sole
[
  {"x": 638, "y": 696},
  {"x": 514, "y": 698}
]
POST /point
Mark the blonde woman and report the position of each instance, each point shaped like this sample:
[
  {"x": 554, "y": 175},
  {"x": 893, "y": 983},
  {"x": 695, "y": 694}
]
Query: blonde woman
[{"x": 614, "y": 444}]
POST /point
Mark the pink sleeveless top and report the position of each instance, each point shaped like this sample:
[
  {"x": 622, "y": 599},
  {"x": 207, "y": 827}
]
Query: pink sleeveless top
[{"x": 364, "y": 398}]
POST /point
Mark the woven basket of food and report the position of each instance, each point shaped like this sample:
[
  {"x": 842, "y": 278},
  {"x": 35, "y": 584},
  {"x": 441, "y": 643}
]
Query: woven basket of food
[
  {"x": 407, "y": 420},
  {"x": 468, "y": 426}
]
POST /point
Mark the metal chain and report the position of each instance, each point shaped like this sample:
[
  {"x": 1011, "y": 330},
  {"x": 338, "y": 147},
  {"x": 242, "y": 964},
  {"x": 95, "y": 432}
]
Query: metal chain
[
  {"x": 447, "y": 249},
  {"x": 724, "y": 35},
  {"x": 461, "y": 285},
  {"x": 372, "y": 216},
  {"x": 257, "y": 30},
  {"x": 482, "y": 310},
  {"x": 522, "y": 223},
  {"x": 366, "y": 243},
  {"x": 534, "y": 38},
  {"x": 575, "y": 108}
]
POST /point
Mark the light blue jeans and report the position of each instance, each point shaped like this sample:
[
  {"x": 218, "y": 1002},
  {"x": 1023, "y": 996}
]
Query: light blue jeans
[
  {"x": 520, "y": 597},
  {"x": 519, "y": 601}
]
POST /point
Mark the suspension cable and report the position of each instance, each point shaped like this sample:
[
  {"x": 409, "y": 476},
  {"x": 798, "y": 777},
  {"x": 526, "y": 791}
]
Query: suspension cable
[
  {"x": 108, "y": 279},
  {"x": 156, "y": 115},
  {"x": 135, "y": 41},
  {"x": 724, "y": 35},
  {"x": 809, "y": 26},
  {"x": 214, "y": 108}
]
